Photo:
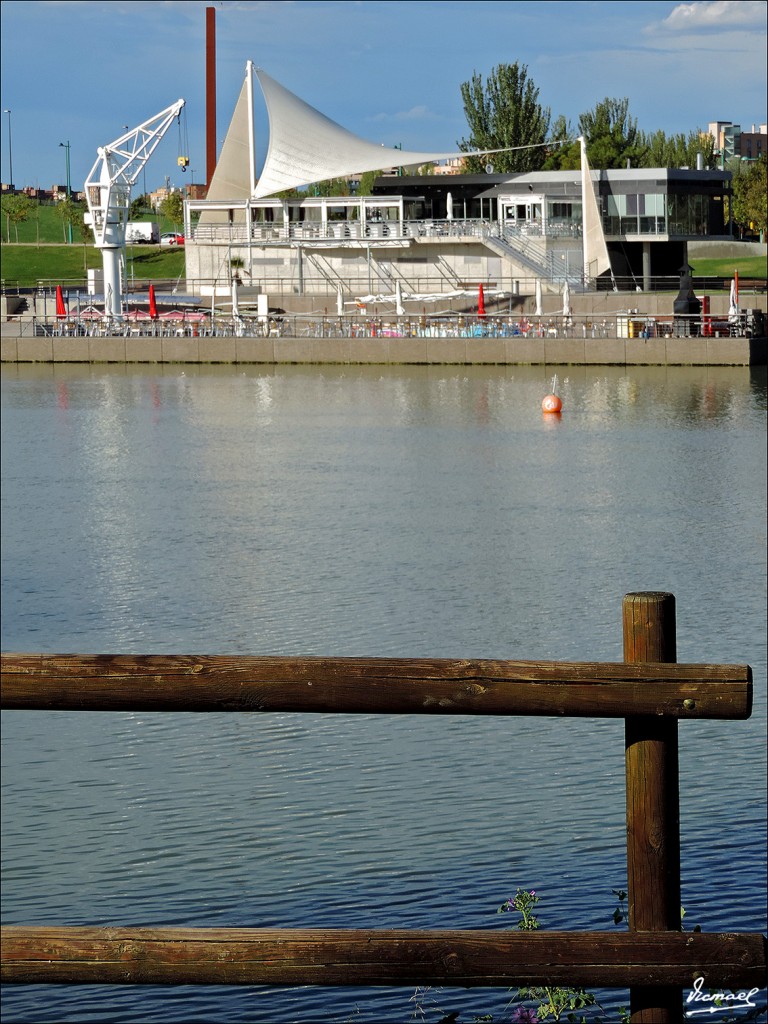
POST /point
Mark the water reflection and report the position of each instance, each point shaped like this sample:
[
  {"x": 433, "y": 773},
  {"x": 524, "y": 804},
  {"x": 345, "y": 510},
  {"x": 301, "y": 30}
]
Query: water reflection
[{"x": 366, "y": 511}]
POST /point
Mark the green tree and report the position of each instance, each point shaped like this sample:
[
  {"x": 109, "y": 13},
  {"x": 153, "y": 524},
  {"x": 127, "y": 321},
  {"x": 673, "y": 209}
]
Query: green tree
[
  {"x": 331, "y": 187},
  {"x": 563, "y": 154},
  {"x": 79, "y": 210},
  {"x": 704, "y": 143},
  {"x": 750, "y": 206},
  {"x": 140, "y": 205},
  {"x": 678, "y": 150},
  {"x": 661, "y": 151},
  {"x": 172, "y": 208},
  {"x": 16, "y": 209},
  {"x": 367, "y": 179},
  {"x": 71, "y": 214},
  {"x": 504, "y": 113},
  {"x": 611, "y": 135}
]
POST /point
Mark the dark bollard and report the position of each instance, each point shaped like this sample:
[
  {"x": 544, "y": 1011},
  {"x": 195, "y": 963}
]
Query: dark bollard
[{"x": 686, "y": 305}]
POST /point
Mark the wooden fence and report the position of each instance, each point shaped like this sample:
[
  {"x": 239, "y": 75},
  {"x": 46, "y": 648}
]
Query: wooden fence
[{"x": 648, "y": 689}]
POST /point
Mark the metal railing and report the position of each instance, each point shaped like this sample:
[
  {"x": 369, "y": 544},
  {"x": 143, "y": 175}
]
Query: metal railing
[{"x": 445, "y": 324}]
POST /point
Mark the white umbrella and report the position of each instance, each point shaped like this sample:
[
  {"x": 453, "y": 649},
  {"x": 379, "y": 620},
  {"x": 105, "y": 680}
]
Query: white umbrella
[
  {"x": 339, "y": 301},
  {"x": 733, "y": 304},
  {"x": 539, "y": 307},
  {"x": 399, "y": 308},
  {"x": 235, "y": 305},
  {"x": 449, "y": 206},
  {"x": 566, "y": 300}
]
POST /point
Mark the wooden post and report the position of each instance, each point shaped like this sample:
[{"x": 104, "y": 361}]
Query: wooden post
[{"x": 653, "y": 802}]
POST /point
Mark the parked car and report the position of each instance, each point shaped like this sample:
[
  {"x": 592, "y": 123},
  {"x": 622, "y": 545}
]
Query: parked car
[{"x": 171, "y": 238}]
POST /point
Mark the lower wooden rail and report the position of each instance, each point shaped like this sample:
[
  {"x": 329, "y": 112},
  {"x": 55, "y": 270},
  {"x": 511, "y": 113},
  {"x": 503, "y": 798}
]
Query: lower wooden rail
[{"x": 320, "y": 956}]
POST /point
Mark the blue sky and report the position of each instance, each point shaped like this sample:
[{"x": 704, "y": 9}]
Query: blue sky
[{"x": 77, "y": 71}]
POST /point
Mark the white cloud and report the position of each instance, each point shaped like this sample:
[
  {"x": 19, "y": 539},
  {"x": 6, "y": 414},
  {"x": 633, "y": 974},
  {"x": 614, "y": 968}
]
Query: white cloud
[
  {"x": 418, "y": 113},
  {"x": 716, "y": 14}
]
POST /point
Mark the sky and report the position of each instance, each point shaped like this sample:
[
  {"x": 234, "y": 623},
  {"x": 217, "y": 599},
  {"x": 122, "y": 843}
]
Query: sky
[{"x": 78, "y": 71}]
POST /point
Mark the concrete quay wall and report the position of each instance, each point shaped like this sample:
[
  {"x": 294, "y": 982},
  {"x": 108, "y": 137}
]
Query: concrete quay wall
[{"x": 421, "y": 351}]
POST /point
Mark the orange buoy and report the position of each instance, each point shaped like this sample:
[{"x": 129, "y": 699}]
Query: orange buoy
[{"x": 551, "y": 403}]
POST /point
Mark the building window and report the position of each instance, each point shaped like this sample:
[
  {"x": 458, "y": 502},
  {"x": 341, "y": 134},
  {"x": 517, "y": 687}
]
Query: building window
[
  {"x": 635, "y": 214},
  {"x": 564, "y": 218},
  {"x": 688, "y": 215}
]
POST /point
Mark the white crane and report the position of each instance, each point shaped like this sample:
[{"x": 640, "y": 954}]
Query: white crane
[{"x": 108, "y": 192}]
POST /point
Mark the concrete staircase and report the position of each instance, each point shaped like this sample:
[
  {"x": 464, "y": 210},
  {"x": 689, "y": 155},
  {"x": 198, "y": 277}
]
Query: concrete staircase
[
  {"x": 13, "y": 305},
  {"x": 531, "y": 257}
]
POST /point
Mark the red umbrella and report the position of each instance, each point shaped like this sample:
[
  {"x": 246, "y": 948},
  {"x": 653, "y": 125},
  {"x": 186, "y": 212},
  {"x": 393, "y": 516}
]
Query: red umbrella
[
  {"x": 480, "y": 301},
  {"x": 152, "y": 302},
  {"x": 61, "y": 309}
]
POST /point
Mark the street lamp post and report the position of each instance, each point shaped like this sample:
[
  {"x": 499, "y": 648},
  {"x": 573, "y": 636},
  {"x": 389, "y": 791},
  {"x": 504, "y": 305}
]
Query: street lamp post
[
  {"x": 10, "y": 152},
  {"x": 65, "y": 146}
]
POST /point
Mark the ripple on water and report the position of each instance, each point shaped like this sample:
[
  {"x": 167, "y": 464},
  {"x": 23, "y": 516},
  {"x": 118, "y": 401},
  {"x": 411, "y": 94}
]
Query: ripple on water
[{"x": 422, "y": 512}]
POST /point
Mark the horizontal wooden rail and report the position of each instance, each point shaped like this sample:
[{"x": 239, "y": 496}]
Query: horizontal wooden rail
[
  {"x": 321, "y": 956},
  {"x": 77, "y": 682}
]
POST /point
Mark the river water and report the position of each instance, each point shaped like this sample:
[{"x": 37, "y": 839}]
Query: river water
[{"x": 367, "y": 511}]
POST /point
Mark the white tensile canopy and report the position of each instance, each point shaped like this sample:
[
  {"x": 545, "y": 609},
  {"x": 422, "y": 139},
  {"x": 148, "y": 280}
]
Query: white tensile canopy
[
  {"x": 233, "y": 177},
  {"x": 305, "y": 147},
  {"x": 596, "y": 259}
]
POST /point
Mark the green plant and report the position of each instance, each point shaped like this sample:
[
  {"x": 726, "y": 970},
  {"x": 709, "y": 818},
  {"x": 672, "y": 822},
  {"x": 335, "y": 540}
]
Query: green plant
[
  {"x": 554, "y": 1003},
  {"x": 422, "y": 1002}
]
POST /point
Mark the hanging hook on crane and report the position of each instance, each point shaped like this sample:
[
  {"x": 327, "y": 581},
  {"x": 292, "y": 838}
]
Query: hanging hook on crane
[{"x": 183, "y": 160}]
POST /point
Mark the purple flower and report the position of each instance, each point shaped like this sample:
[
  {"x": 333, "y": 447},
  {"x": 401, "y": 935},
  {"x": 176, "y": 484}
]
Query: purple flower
[{"x": 525, "y": 1016}]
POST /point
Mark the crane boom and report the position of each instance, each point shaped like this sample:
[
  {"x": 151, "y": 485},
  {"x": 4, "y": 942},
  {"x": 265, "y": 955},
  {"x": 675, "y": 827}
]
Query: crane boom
[{"x": 108, "y": 193}]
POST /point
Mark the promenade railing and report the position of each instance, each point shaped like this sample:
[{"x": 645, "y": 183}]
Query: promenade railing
[
  {"x": 446, "y": 324},
  {"x": 271, "y": 282},
  {"x": 649, "y": 690}
]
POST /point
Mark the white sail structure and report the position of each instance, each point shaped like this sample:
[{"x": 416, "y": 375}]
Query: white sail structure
[
  {"x": 305, "y": 146},
  {"x": 596, "y": 259},
  {"x": 235, "y": 175}
]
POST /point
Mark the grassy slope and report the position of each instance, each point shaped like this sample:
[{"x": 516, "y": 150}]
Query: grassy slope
[
  {"x": 45, "y": 225},
  {"x": 42, "y": 256},
  {"x": 25, "y": 265},
  {"x": 747, "y": 266}
]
